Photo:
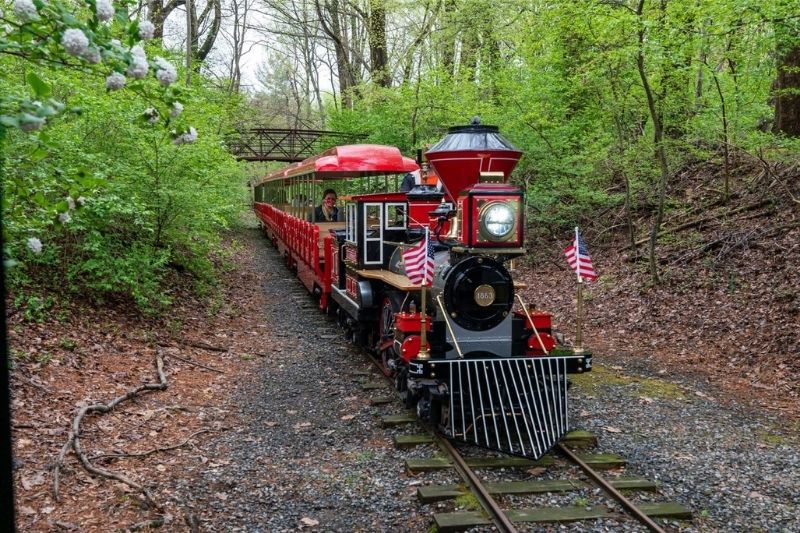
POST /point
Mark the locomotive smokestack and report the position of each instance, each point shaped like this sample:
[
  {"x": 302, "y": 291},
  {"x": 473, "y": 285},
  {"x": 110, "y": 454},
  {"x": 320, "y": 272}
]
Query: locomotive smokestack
[{"x": 466, "y": 151}]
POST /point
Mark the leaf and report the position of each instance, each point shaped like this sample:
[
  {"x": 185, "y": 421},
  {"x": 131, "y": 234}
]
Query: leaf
[
  {"x": 612, "y": 429},
  {"x": 348, "y": 417},
  {"x": 536, "y": 470},
  {"x": 9, "y": 122},
  {"x": 38, "y": 85},
  {"x": 306, "y": 521}
]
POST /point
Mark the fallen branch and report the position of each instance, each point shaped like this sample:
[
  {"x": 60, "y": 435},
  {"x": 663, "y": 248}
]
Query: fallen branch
[
  {"x": 73, "y": 441},
  {"x": 195, "y": 363},
  {"x": 202, "y": 345},
  {"x": 29, "y": 381},
  {"x": 147, "y": 524},
  {"x": 700, "y": 221},
  {"x": 150, "y": 452}
]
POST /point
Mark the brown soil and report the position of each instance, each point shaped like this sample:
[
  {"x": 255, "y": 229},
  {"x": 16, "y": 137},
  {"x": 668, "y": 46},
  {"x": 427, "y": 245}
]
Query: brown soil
[
  {"x": 85, "y": 354},
  {"x": 727, "y": 308}
]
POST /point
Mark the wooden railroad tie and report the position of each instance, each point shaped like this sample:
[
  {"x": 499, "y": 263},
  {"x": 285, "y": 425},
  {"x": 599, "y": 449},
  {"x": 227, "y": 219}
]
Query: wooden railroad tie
[
  {"x": 599, "y": 461},
  {"x": 578, "y": 439},
  {"x": 446, "y": 522},
  {"x": 435, "y": 493}
]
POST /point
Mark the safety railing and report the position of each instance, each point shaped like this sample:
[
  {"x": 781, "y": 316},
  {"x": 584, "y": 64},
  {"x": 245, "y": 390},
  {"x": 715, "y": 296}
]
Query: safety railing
[{"x": 301, "y": 237}]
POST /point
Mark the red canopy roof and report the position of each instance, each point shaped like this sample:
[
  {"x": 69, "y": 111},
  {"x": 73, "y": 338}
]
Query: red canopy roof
[{"x": 350, "y": 161}]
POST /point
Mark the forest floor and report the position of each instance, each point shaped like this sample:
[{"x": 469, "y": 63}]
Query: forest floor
[
  {"x": 727, "y": 313},
  {"x": 727, "y": 308}
]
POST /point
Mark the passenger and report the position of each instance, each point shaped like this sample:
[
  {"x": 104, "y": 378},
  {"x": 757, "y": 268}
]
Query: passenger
[
  {"x": 327, "y": 211},
  {"x": 410, "y": 180}
]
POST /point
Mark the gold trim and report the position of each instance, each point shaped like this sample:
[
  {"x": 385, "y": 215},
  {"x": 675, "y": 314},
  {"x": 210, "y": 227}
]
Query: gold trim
[{"x": 484, "y": 295}]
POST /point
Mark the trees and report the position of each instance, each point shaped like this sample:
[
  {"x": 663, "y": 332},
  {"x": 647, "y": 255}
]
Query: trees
[
  {"x": 103, "y": 191},
  {"x": 787, "y": 81}
]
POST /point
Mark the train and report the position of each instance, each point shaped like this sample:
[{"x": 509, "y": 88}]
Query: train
[{"x": 424, "y": 280}]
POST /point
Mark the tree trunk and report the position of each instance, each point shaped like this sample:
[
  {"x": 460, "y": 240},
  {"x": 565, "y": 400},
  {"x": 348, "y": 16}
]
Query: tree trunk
[
  {"x": 787, "y": 92},
  {"x": 658, "y": 142},
  {"x": 449, "y": 38},
  {"x": 379, "y": 64},
  {"x": 330, "y": 22}
]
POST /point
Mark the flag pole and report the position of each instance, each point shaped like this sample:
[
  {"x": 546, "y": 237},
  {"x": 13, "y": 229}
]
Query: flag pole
[
  {"x": 423, "y": 354},
  {"x": 579, "y": 320}
]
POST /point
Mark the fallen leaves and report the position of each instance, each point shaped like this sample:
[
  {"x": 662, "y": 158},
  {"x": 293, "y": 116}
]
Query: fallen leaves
[
  {"x": 306, "y": 521},
  {"x": 28, "y": 482}
]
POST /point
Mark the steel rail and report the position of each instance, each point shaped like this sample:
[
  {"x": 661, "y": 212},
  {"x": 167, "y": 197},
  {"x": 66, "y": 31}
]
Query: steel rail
[
  {"x": 486, "y": 500},
  {"x": 496, "y": 514},
  {"x": 605, "y": 485}
]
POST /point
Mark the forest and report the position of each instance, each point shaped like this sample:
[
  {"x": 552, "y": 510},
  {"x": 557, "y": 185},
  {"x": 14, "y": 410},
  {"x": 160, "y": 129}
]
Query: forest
[
  {"x": 667, "y": 130},
  {"x": 609, "y": 100}
]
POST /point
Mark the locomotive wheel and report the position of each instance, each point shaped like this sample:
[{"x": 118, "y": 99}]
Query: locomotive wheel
[{"x": 385, "y": 347}]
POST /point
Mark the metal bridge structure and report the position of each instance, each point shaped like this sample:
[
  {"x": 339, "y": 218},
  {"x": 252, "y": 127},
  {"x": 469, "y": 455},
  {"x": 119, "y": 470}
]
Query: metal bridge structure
[{"x": 288, "y": 145}]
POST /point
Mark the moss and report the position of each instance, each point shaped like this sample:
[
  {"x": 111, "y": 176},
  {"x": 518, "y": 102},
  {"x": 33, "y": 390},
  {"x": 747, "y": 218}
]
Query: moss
[
  {"x": 468, "y": 502},
  {"x": 603, "y": 378},
  {"x": 771, "y": 438}
]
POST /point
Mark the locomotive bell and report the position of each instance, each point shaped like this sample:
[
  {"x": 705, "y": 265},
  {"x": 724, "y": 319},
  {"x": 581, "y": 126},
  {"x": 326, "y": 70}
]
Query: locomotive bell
[{"x": 467, "y": 152}]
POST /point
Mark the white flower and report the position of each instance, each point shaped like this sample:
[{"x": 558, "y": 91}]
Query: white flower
[
  {"x": 139, "y": 66},
  {"x": 81, "y": 201},
  {"x": 177, "y": 109},
  {"x": 92, "y": 55},
  {"x": 70, "y": 203},
  {"x": 167, "y": 74},
  {"x": 138, "y": 51},
  {"x": 115, "y": 81},
  {"x": 25, "y": 10},
  {"x": 34, "y": 245},
  {"x": 75, "y": 41},
  {"x": 146, "y": 29},
  {"x": 30, "y": 122},
  {"x": 64, "y": 217},
  {"x": 152, "y": 115},
  {"x": 186, "y": 138},
  {"x": 104, "y": 10}
]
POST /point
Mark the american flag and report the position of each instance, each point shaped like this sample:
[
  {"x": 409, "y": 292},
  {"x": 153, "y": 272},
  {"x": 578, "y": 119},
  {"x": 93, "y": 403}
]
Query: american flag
[
  {"x": 578, "y": 258},
  {"x": 418, "y": 261}
]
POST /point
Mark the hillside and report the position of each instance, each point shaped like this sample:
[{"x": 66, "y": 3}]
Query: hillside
[{"x": 728, "y": 306}]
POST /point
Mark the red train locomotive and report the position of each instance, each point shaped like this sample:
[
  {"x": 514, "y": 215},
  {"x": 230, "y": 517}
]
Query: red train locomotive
[{"x": 466, "y": 350}]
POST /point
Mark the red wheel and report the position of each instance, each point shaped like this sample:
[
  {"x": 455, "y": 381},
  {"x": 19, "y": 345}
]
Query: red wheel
[{"x": 385, "y": 347}]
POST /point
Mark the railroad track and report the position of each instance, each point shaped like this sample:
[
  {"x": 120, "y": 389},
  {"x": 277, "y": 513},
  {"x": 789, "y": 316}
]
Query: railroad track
[
  {"x": 493, "y": 496},
  {"x": 486, "y": 492}
]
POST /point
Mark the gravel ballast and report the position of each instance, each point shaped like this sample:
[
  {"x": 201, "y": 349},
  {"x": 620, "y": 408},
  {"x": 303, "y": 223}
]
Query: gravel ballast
[{"x": 307, "y": 450}]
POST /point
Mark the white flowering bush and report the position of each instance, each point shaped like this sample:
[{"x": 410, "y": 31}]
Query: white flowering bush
[
  {"x": 103, "y": 40},
  {"x": 84, "y": 207}
]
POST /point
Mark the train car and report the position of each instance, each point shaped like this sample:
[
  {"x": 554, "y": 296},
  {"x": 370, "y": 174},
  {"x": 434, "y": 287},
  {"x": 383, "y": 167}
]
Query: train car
[{"x": 423, "y": 279}]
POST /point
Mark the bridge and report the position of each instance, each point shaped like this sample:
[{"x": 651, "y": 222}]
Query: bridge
[{"x": 289, "y": 145}]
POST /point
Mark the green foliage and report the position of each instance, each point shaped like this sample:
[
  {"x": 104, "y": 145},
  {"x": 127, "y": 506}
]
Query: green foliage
[
  {"x": 561, "y": 80},
  {"x": 119, "y": 208}
]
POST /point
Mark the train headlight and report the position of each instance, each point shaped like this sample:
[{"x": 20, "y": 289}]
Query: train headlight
[{"x": 497, "y": 221}]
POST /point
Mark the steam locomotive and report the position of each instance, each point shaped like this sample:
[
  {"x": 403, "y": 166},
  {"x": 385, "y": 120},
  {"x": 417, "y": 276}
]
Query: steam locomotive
[{"x": 466, "y": 351}]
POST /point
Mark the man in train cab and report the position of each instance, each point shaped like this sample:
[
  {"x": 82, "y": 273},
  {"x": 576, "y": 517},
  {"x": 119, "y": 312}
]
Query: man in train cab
[
  {"x": 327, "y": 211},
  {"x": 410, "y": 180}
]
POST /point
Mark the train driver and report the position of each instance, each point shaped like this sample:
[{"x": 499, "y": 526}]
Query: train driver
[{"x": 327, "y": 211}]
